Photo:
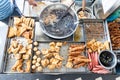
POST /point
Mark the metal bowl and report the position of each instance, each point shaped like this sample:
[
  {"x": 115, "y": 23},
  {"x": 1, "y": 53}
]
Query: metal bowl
[
  {"x": 65, "y": 27},
  {"x": 107, "y": 59},
  {"x": 88, "y": 12}
]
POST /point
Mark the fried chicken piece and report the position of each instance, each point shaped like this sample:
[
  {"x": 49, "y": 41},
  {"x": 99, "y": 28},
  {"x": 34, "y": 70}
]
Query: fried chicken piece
[
  {"x": 38, "y": 52},
  {"x": 35, "y": 43},
  {"x": 14, "y": 43},
  {"x": 81, "y": 48},
  {"x": 17, "y": 63},
  {"x": 59, "y": 57},
  {"x": 18, "y": 56},
  {"x": 11, "y": 32},
  {"x": 39, "y": 69},
  {"x": 17, "y": 21},
  {"x": 76, "y": 53},
  {"x": 59, "y": 44},
  {"x": 29, "y": 52},
  {"x": 10, "y": 49},
  {"x": 28, "y": 63},
  {"x": 57, "y": 49},
  {"x": 29, "y": 46},
  {"x": 35, "y": 49},
  {"x": 25, "y": 56},
  {"x": 44, "y": 62},
  {"x": 51, "y": 67},
  {"x": 59, "y": 65},
  {"x": 21, "y": 30},
  {"x": 34, "y": 62},
  {"x": 52, "y": 44},
  {"x": 54, "y": 61},
  {"x": 26, "y": 34},
  {"x": 69, "y": 65},
  {"x": 19, "y": 68},
  {"x": 44, "y": 51},
  {"x": 33, "y": 67},
  {"x": 29, "y": 41},
  {"x": 79, "y": 65},
  {"x": 23, "y": 50}
]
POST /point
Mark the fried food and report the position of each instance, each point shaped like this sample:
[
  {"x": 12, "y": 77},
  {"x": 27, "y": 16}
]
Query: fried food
[
  {"x": 38, "y": 52},
  {"x": 38, "y": 60},
  {"x": 34, "y": 62},
  {"x": 18, "y": 56},
  {"x": 44, "y": 62},
  {"x": 59, "y": 44},
  {"x": 11, "y": 32},
  {"x": 114, "y": 29},
  {"x": 22, "y": 27},
  {"x": 26, "y": 56},
  {"x": 51, "y": 67},
  {"x": 39, "y": 69},
  {"x": 50, "y": 19},
  {"x": 35, "y": 43},
  {"x": 34, "y": 57},
  {"x": 94, "y": 45},
  {"x": 76, "y": 59},
  {"x": 35, "y": 49},
  {"x": 17, "y": 65},
  {"x": 28, "y": 64},
  {"x": 69, "y": 65},
  {"x": 81, "y": 15},
  {"x": 33, "y": 67},
  {"x": 37, "y": 64}
]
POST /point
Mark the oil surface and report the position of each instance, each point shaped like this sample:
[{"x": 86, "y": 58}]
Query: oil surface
[{"x": 63, "y": 27}]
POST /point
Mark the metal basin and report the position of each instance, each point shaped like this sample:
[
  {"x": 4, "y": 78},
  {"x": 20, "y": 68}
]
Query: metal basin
[{"x": 63, "y": 28}]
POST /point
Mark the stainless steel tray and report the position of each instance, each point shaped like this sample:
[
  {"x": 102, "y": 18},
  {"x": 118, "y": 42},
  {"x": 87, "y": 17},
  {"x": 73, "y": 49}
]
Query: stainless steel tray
[
  {"x": 64, "y": 54},
  {"x": 93, "y": 31},
  {"x": 9, "y": 61}
]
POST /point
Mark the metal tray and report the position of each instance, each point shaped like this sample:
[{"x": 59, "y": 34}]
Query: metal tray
[
  {"x": 8, "y": 60},
  {"x": 102, "y": 35},
  {"x": 63, "y": 53}
]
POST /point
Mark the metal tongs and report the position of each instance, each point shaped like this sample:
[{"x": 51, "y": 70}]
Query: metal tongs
[{"x": 65, "y": 13}]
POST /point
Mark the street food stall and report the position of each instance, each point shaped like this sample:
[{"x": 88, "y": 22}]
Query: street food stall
[{"x": 61, "y": 39}]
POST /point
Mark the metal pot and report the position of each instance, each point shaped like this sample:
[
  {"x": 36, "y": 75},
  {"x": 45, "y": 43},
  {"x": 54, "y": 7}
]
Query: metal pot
[
  {"x": 66, "y": 27},
  {"x": 107, "y": 59},
  {"x": 88, "y": 13}
]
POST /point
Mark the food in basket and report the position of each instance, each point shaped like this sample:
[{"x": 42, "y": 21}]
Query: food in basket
[
  {"x": 114, "y": 29},
  {"x": 22, "y": 27},
  {"x": 76, "y": 59}
]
